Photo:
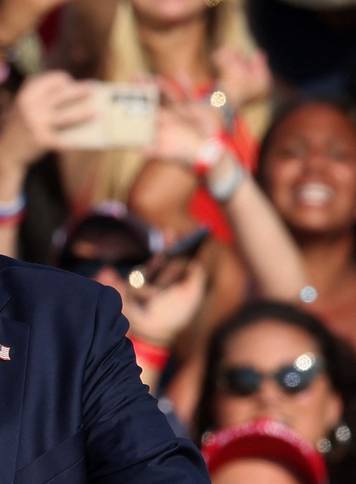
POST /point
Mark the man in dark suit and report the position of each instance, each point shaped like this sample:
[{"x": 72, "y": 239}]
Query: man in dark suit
[{"x": 72, "y": 408}]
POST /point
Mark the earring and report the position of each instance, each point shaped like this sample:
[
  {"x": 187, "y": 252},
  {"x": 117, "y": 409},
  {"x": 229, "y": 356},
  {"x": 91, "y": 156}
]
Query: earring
[
  {"x": 341, "y": 437},
  {"x": 324, "y": 445},
  {"x": 343, "y": 434}
]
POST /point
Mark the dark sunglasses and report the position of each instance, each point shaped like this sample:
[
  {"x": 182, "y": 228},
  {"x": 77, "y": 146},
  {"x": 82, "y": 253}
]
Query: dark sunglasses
[
  {"x": 90, "y": 267},
  {"x": 245, "y": 381}
]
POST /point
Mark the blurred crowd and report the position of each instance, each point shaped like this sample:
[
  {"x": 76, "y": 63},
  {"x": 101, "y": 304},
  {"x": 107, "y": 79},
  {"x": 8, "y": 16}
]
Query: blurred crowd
[{"x": 199, "y": 156}]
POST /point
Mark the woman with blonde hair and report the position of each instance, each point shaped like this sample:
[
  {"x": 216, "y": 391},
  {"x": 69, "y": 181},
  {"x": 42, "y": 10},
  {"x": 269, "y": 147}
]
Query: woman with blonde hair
[
  {"x": 120, "y": 41},
  {"x": 130, "y": 39}
]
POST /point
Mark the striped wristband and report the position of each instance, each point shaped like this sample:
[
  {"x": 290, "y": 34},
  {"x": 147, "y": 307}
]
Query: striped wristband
[{"x": 12, "y": 210}]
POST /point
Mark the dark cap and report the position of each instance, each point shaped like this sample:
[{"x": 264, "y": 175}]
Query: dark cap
[{"x": 130, "y": 236}]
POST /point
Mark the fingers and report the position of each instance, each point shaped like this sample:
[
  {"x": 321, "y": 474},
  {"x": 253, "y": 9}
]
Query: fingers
[
  {"x": 51, "y": 102},
  {"x": 261, "y": 66},
  {"x": 78, "y": 113},
  {"x": 225, "y": 57},
  {"x": 182, "y": 130},
  {"x": 55, "y": 88},
  {"x": 187, "y": 86},
  {"x": 194, "y": 279},
  {"x": 243, "y": 78},
  {"x": 166, "y": 136},
  {"x": 164, "y": 312},
  {"x": 71, "y": 92},
  {"x": 178, "y": 90},
  {"x": 72, "y": 104},
  {"x": 168, "y": 90},
  {"x": 47, "y": 83},
  {"x": 139, "y": 297}
]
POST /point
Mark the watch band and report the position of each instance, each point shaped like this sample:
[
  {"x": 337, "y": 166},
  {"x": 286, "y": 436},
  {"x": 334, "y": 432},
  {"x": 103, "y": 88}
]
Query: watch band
[{"x": 223, "y": 187}]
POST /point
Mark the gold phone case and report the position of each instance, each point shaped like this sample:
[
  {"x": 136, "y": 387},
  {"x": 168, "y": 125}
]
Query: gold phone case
[{"x": 126, "y": 115}]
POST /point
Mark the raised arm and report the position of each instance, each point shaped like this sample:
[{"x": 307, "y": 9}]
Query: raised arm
[
  {"x": 264, "y": 241},
  {"x": 43, "y": 105}
]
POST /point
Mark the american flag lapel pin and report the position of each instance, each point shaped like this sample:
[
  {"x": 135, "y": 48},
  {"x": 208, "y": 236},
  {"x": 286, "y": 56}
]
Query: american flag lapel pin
[{"x": 5, "y": 353}]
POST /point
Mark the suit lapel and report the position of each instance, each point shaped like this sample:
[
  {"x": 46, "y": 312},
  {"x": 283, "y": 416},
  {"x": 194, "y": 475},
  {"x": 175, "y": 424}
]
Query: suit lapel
[{"x": 13, "y": 335}]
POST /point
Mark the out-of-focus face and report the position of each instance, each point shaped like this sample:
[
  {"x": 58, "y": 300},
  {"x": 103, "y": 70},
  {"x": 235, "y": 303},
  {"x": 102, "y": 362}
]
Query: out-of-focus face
[
  {"x": 267, "y": 346},
  {"x": 256, "y": 471},
  {"x": 311, "y": 169},
  {"x": 163, "y": 12},
  {"x": 108, "y": 249}
]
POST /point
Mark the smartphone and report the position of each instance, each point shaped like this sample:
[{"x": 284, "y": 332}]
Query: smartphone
[
  {"x": 185, "y": 248},
  {"x": 126, "y": 118},
  {"x": 188, "y": 246}
]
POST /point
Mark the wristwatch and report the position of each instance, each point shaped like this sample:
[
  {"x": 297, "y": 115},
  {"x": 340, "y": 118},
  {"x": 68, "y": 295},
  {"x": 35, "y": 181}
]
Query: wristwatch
[{"x": 225, "y": 178}]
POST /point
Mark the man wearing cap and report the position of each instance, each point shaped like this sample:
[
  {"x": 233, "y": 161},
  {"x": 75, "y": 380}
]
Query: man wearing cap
[{"x": 73, "y": 408}]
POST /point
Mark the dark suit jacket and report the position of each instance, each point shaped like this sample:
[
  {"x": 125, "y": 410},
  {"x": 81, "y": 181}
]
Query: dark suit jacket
[{"x": 72, "y": 407}]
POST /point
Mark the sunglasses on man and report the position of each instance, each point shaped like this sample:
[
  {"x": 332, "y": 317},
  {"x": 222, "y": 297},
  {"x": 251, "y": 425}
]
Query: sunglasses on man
[{"x": 90, "y": 267}]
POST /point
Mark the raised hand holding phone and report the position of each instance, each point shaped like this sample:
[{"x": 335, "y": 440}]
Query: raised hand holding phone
[{"x": 45, "y": 104}]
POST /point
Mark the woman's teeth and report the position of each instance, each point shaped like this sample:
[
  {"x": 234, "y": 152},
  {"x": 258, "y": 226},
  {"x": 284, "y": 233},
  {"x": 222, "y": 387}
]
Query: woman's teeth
[{"x": 314, "y": 193}]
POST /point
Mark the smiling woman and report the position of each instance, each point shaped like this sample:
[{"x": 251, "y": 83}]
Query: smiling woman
[{"x": 308, "y": 169}]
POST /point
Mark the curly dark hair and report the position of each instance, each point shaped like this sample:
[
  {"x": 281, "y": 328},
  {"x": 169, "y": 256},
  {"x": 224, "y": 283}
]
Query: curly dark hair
[{"x": 340, "y": 361}]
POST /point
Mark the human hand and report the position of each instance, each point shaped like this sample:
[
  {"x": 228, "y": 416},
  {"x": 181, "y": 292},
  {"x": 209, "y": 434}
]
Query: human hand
[
  {"x": 182, "y": 128},
  {"x": 44, "y": 105},
  {"x": 159, "y": 315},
  {"x": 242, "y": 78},
  {"x": 18, "y": 17}
]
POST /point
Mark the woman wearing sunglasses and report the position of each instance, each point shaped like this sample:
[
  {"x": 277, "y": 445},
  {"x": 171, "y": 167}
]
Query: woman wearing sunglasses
[{"x": 273, "y": 360}]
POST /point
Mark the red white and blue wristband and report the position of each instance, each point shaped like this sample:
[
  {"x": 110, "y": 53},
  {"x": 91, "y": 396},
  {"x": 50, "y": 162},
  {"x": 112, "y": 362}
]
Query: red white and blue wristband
[{"x": 13, "y": 211}]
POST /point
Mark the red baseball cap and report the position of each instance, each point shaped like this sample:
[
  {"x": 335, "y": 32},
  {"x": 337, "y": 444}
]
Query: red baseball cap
[{"x": 269, "y": 440}]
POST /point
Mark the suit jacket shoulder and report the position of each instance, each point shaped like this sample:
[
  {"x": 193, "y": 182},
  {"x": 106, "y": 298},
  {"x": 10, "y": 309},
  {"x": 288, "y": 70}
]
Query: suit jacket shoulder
[{"x": 75, "y": 406}]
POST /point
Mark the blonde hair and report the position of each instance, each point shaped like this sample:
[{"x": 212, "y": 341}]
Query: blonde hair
[{"x": 125, "y": 59}]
